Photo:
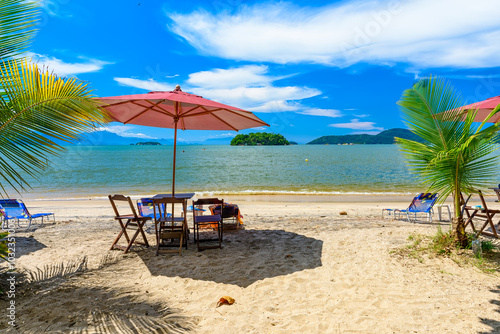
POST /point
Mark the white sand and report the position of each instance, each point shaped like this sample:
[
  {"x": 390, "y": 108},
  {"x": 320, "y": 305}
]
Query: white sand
[{"x": 298, "y": 267}]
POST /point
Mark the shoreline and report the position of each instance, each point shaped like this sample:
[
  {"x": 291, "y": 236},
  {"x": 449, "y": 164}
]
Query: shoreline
[
  {"x": 257, "y": 197},
  {"x": 250, "y": 194}
]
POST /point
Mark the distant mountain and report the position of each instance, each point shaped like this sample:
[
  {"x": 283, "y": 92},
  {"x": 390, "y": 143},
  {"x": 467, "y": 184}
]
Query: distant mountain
[
  {"x": 216, "y": 141},
  {"x": 105, "y": 138},
  {"x": 384, "y": 137}
]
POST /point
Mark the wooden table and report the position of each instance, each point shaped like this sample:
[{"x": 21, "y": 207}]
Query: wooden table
[{"x": 185, "y": 197}]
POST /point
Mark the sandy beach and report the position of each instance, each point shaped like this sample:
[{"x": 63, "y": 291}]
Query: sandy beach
[{"x": 298, "y": 266}]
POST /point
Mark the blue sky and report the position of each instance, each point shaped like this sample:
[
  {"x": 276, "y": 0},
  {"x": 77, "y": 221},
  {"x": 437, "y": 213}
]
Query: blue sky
[{"x": 307, "y": 68}]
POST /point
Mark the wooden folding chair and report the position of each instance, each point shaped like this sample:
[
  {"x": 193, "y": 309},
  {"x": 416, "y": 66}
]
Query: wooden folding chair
[
  {"x": 169, "y": 227},
  {"x": 132, "y": 221},
  {"x": 483, "y": 214},
  {"x": 208, "y": 221}
]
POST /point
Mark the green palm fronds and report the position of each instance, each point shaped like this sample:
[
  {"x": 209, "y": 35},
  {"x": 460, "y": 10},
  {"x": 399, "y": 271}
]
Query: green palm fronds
[
  {"x": 36, "y": 108},
  {"x": 17, "y": 21},
  {"x": 457, "y": 154}
]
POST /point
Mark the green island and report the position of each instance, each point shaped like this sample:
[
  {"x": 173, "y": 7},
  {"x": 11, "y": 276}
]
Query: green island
[
  {"x": 259, "y": 138},
  {"x": 384, "y": 137},
  {"x": 151, "y": 143}
]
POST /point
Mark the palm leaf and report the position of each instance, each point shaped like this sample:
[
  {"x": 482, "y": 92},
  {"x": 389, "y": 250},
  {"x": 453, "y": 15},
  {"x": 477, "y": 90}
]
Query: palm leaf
[
  {"x": 17, "y": 19},
  {"x": 36, "y": 108},
  {"x": 457, "y": 155}
]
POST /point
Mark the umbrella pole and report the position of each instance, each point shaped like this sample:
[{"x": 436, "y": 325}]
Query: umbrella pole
[{"x": 175, "y": 154}]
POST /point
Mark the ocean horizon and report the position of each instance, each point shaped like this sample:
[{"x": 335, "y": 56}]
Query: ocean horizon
[{"x": 92, "y": 172}]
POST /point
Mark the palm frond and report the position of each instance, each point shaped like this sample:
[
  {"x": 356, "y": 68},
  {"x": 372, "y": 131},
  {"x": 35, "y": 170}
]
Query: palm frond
[
  {"x": 18, "y": 18},
  {"x": 36, "y": 108},
  {"x": 458, "y": 154}
]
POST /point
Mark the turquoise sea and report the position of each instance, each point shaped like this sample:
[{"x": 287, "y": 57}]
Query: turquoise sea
[{"x": 96, "y": 171}]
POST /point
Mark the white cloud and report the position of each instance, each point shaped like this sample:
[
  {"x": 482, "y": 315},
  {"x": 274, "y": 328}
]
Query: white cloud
[
  {"x": 223, "y": 135},
  {"x": 55, "y": 8},
  {"x": 355, "y": 124},
  {"x": 321, "y": 112},
  {"x": 425, "y": 33},
  {"x": 149, "y": 85},
  {"x": 276, "y": 106},
  {"x": 124, "y": 131},
  {"x": 361, "y": 115},
  {"x": 256, "y": 90},
  {"x": 255, "y": 97},
  {"x": 62, "y": 68},
  {"x": 366, "y": 132},
  {"x": 248, "y": 76}
]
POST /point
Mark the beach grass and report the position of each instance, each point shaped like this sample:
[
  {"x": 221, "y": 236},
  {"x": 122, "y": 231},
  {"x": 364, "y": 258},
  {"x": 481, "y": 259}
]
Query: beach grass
[{"x": 442, "y": 244}]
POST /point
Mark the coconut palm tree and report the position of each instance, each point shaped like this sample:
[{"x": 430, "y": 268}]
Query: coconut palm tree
[
  {"x": 36, "y": 106},
  {"x": 456, "y": 156}
]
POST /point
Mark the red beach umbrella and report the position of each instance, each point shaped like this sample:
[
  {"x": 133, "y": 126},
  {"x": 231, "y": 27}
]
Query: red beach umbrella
[
  {"x": 484, "y": 108},
  {"x": 177, "y": 109}
]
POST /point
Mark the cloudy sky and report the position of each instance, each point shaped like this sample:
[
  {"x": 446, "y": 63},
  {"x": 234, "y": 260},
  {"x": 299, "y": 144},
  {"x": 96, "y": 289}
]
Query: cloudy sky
[{"x": 307, "y": 68}]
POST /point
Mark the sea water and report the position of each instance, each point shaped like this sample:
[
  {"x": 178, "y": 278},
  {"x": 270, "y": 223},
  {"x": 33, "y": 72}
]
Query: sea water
[{"x": 96, "y": 171}]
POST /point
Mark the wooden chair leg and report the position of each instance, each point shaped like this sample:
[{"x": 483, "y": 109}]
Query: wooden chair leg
[
  {"x": 469, "y": 220},
  {"x": 197, "y": 236},
  {"x": 131, "y": 241},
  {"x": 180, "y": 244},
  {"x": 489, "y": 221},
  {"x": 221, "y": 234},
  {"x": 122, "y": 232},
  {"x": 140, "y": 228}
]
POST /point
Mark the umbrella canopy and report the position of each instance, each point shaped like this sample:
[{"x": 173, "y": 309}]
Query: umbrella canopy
[
  {"x": 177, "y": 109},
  {"x": 484, "y": 108}
]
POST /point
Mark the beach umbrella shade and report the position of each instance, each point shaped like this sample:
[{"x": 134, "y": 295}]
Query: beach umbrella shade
[
  {"x": 177, "y": 109},
  {"x": 484, "y": 108}
]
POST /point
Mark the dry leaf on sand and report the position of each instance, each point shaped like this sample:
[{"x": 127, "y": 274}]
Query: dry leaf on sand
[{"x": 225, "y": 300}]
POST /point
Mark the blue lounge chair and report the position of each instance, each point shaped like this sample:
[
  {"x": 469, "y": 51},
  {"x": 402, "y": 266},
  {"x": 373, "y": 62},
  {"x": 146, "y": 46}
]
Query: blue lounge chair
[
  {"x": 422, "y": 204},
  {"x": 15, "y": 210},
  {"x": 145, "y": 208}
]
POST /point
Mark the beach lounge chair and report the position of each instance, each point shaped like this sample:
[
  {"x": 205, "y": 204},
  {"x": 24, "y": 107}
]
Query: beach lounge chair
[
  {"x": 421, "y": 204},
  {"x": 145, "y": 209},
  {"x": 15, "y": 211},
  {"x": 131, "y": 221},
  {"x": 198, "y": 211},
  {"x": 203, "y": 221},
  {"x": 169, "y": 227},
  {"x": 480, "y": 214}
]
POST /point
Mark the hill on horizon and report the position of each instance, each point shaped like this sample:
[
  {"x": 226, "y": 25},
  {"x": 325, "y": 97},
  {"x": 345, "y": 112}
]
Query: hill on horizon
[
  {"x": 105, "y": 138},
  {"x": 384, "y": 137}
]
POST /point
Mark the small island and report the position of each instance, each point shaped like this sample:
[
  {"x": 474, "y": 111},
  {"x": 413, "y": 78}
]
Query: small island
[
  {"x": 147, "y": 143},
  {"x": 259, "y": 138}
]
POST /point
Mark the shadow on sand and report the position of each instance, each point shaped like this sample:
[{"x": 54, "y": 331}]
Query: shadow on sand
[
  {"x": 54, "y": 300},
  {"x": 494, "y": 324},
  {"x": 247, "y": 256},
  {"x": 26, "y": 245}
]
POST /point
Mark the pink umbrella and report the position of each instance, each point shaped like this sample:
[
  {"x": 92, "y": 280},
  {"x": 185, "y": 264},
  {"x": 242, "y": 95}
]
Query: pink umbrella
[
  {"x": 178, "y": 109},
  {"x": 484, "y": 108}
]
